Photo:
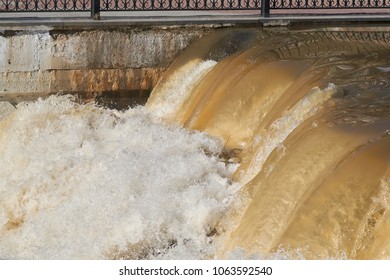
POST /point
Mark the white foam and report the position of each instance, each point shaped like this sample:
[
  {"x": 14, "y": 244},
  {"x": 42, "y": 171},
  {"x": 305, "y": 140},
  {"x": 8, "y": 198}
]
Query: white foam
[
  {"x": 5, "y": 109},
  {"x": 80, "y": 182},
  {"x": 383, "y": 198}
]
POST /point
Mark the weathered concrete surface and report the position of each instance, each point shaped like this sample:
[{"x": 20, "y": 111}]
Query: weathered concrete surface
[{"x": 42, "y": 62}]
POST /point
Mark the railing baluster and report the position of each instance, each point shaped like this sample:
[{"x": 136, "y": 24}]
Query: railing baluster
[
  {"x": 95, "y": 9},
  {"x": 265, "y": 8}
]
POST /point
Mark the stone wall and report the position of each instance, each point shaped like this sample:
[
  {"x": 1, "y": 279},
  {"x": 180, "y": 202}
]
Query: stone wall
[{"x": 35, "y": 63}]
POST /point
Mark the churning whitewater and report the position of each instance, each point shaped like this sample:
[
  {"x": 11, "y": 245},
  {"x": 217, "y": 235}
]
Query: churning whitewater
[
  {"x": 254, "y": 144},
  {"x": 82, "y": 182}
]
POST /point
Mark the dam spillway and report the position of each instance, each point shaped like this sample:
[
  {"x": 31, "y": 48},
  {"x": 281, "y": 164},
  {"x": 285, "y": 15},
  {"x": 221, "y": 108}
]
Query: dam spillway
[{"x": 254, "y": 143}]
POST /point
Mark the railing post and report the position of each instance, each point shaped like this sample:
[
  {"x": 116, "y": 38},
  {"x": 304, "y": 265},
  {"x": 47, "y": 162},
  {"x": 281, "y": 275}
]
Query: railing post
[
  {"x": 95, "y": 9},
  {"x": 265, "y": 8}
]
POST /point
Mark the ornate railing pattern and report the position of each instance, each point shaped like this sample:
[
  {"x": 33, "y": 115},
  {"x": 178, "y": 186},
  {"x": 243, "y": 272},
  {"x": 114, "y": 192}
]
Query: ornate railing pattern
[
  {"x": 263, "y": 6},
  {"x": 329, "y": 4},
  {"x": 44, "y": 5},
  {"x": 175, "y": 5}
]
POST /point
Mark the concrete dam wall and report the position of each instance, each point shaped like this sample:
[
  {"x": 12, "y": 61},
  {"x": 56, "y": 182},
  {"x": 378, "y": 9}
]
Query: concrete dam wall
[{"x": 92, "y": 61}]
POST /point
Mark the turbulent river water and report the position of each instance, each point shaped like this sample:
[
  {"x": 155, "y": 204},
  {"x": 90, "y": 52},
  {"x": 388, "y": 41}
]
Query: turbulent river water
[{"x": 254, "y": 144}]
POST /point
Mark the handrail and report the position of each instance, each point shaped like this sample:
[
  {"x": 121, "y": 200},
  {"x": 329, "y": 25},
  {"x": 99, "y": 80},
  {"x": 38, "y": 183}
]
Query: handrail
[{"x": 265, "y": 8}]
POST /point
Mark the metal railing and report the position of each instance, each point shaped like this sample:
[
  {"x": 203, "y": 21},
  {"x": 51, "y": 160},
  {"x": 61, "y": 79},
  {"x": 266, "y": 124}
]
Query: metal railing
[
  {"x": 263, "y": 6},
  {"x": 329, "y": 4},
  {"x": 44, "y": 5}
]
